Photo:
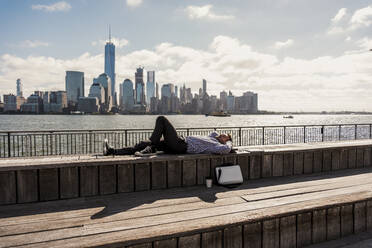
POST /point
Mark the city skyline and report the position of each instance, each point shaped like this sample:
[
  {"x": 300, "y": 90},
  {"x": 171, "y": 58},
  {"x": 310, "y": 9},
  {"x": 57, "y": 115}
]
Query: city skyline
[
  {"x": 132, "y": 100},
  {"x": 294, "y": 59}
]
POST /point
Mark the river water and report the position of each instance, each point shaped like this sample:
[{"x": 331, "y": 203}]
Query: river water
[{"x": 57, "y": 122}]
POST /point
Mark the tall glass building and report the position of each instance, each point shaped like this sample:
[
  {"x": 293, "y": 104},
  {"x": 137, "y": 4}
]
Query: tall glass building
[
  {"x": 19, "y": 87},
  {"x": 204, "y": 87},
  {"x": 140, "y": 86},
  {"x": 74, "y": 85},
  {"x": 97, "y": 90},
  {"x": 167, "y": 90},
  {"x": 110, "y": 66},
  {"x": 150, "y": 86},
  {"x": 127, "y": 94},
  {"x": 105, "y": 81}
]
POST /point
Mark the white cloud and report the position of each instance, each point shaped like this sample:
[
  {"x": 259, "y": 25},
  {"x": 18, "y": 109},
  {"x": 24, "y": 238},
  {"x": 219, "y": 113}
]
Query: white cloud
[
  {"x": 335, "y": 30},
  {"x": 340, "y": 14},
  {"x": 361, "y": 18},
  {"x": 205, "y": 12},
  {"x": 33, "y": 43},
  {"x": 119, "y": 43},
  {"x": 365, "y": 44},
  {"x": 134, "y": 3},
  {"x": 283, "y": 44},
  {"x": 323, "y": 83},
  {"x": 59, "y": 6}
]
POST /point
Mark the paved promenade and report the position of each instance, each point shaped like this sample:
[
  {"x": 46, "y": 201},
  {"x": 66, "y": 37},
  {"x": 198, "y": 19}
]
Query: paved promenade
[{"x": 142, "y": 217}]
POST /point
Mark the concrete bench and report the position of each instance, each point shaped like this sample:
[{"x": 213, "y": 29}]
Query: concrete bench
[
  {"x": 26, "y": 180},
  {"x": 268, "y": 213}
]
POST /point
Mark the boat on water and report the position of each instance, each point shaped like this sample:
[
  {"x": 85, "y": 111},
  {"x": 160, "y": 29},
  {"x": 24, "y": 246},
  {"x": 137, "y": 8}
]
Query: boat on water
[
  {"x": 288, "y": 116},
  {"x": 76, "y": 113},
  {"x": 218, "y": 114}
]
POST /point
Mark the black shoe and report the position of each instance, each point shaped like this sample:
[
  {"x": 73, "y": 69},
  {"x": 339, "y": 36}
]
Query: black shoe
[
  {"x": 148, "y": 151},
  {"x": 107, "y": 149}
]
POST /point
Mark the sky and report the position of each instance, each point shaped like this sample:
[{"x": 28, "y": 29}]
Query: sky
[{"x": 298, "y": 55}]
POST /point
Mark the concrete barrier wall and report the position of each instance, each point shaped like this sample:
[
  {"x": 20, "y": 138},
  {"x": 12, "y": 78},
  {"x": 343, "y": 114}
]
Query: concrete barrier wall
[
  {"x": 287, "y": 231},
  {"x": 45, "y": 182}
]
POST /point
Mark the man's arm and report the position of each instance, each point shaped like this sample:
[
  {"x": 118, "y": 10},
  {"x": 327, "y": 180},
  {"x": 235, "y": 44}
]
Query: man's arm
[
  {"x": 213, "y": 134},
  {"x": 222, "y": 148}
]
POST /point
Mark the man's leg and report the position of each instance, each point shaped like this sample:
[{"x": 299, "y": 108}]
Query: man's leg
[
  {"x": 162, "y": 128},
  {"x": 132, "y": 149},
  {"x": 172, "y": 141}
]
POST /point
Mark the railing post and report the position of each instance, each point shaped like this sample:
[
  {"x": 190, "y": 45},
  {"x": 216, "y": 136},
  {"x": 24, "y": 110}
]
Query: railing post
[
  {"x": 90, "y": 141},
  {"x": 304, "y": 134},
  {"x": 263, "y": 135},
  {"x": 370, "y": 135},
  {"x": 322, "y": 130},
  {"x": 355, "y": 132},
  {"x": 42, "y": 144},
  {"x": 9, "y": 145},
  {"x": 187, "y": 132},
  {"x": 240, "y": 136},
  {"x": 284, "y": 134},
  {"x": 126, "y": 138},
  {"x": 339, "y": 132}
]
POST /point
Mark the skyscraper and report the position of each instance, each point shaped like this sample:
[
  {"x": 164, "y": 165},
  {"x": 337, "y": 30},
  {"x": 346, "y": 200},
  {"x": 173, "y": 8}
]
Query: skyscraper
[
  {"x": 230, "y": 102},
  {"x": 167, "y": 90},
  {"x": 140, "y": 86},
  {"x": 74, "y": 86},
  {"x": 97, "y": 90},
  {"x": 105, "y": 81},
  {"x": 150, "y": 86},
  {"x": 19, "y": 87},
  {"x": 204, "y": 87},
  {"x": 128, "y": 95},
  {"x": 223, "y": 100},
  {"x": 121, "y": 90},
  {"x": 157, "y": 91},
  {"x": 110, "y": 65},
  {"x": 183, "y": 94},
  {"x": 188, "y": 95}
]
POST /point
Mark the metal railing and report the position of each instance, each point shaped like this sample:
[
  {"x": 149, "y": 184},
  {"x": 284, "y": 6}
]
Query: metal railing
[{"x": 68, "y": 142}]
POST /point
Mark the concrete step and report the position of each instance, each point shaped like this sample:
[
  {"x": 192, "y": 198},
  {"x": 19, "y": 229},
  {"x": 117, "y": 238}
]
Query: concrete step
[{"x": 290, "y": 211}]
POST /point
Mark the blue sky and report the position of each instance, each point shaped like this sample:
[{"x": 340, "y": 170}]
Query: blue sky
[{"x": 297, "y": 54}]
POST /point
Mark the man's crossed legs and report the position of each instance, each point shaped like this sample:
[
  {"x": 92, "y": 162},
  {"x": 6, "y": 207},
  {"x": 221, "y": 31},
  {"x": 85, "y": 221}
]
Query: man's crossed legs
[{"x": 163, "y": 138}]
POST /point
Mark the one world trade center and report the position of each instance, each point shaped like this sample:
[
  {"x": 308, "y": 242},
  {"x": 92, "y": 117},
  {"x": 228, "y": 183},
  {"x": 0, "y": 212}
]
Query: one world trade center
[{"x": 110, "y": 65}]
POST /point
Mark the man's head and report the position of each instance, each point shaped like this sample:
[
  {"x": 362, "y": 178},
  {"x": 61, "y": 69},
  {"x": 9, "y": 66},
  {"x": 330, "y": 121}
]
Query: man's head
[{"x": 223, "y": 138}]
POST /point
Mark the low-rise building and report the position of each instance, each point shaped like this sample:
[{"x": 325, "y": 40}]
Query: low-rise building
[
  {"x": 13, "y": 103},
  {"x": 88, "y": 105},
  {"x": 55, "y": 101},
  {"x": 33, "y": 105}
]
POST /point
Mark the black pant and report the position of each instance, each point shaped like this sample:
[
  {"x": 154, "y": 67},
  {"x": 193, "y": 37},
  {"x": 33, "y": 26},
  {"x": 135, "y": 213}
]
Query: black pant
[{"x": 163, "y": 138}]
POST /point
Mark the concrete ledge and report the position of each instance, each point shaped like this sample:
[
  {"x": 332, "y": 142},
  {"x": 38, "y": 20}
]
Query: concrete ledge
[{"x": 52, "y": 178}]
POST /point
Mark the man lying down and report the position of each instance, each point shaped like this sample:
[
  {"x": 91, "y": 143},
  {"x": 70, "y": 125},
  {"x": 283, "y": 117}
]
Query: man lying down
[{"x": 165, "y": 138}]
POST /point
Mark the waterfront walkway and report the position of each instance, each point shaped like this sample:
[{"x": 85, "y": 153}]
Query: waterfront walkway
[{"x": 324, "y": 206}]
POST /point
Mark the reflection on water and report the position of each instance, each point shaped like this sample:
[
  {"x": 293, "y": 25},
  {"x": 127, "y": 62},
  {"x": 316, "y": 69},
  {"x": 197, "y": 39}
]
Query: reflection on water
[{"x": 50, "y": 122}]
